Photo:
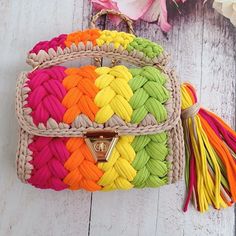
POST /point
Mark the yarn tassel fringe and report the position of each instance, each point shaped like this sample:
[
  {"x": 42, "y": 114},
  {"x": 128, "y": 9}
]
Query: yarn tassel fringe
[{"x": 210, "y": 147}]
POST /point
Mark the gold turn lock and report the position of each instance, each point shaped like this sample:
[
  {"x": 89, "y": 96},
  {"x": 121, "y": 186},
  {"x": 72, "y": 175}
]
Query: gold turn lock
[{"x": 101, "y": 143}]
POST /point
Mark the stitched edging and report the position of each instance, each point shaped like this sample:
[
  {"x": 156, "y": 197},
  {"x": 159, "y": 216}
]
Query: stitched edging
[
  {"x": 45, "y": 59},
  {"x": 176, "y": 153},
  {"x": 175, "y": 157},
  {"x": 24, "y": 156}
]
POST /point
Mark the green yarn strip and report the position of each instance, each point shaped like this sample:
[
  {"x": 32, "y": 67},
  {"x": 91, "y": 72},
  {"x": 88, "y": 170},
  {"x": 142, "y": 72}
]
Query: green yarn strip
[
  {"x": 150, "y": 161},
  {"x": 149, "y": 95},
  {"x": 149, "y": 48}
]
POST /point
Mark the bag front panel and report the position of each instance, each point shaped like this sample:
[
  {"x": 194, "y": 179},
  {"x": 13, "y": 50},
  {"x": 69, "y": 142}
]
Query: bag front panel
[{"x": 67, "y": 163}]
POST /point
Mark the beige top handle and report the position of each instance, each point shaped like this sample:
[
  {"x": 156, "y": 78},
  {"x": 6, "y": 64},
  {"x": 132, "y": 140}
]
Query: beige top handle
[{"x": 127, "y": 20}]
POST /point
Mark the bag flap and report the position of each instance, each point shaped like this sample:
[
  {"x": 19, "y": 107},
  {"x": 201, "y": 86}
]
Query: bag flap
[{"x": 65, "y": 102}]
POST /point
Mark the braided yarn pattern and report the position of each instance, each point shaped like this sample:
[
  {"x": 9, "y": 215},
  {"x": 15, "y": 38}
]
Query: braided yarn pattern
[
  {"x": 117, "y": 38},
  {"x": 81, "y": 91},
  {"x": 83, "y": 172},
  {"x": 58, "y": 94},
  {"x": 114, "y": 94},
  {"x": 89, "y": 35},
  {"x": 150, "y": 161},
  {"x": 61, "y": 163},
  {"x": 149, "y": 94},
  {"x": 120, "y": 40},
  {"x": 46, "y": 94},
  {"x": 147, "y": 47},
  {"x": 53, "y": 43},
  {"x": 48, "y": 158},
  {"x": 102, "y": 95},
  {"x": 118, "y": 171}
]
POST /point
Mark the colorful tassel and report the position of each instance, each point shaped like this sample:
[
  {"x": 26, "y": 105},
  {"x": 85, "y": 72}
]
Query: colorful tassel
[{"x": 210, "y": 146}]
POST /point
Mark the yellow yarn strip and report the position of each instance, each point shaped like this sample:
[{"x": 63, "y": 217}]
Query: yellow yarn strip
[
  {"x": 114, "y": 95},
  {"x": 118, "y": 171},
  {"x": 115, "y": 37},
  {"x": 208, "y": 190}
]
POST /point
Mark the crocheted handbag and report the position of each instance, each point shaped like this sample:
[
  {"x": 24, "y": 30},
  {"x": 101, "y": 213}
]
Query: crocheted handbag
[{"x": 118, "y": 127}]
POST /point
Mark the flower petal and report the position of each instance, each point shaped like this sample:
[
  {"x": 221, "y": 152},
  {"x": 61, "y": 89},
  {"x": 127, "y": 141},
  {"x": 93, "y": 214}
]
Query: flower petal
[
  {"x": 165, "y": 26},
  {"x": 227, "y": 9},
  {"x": 134, "y": 9},
  {"x": 104, "y": 4},
  {"x": 153, "y": 13}
]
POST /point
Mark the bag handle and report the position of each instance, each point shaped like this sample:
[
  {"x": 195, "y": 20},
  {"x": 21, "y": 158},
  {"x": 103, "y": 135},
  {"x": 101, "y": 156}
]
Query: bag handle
[{"x": 125, "y": 18}]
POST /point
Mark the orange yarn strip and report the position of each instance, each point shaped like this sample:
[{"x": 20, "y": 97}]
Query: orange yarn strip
[
  {"x": 222, "y": 123},
  {"x": 81, "y": 92},
  {"x": 83, "y": 172},
  {"x": 82, "y": 36},
  {"x": 225, "y": 155}
]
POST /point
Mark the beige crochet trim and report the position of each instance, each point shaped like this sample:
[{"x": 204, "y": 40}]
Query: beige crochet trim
[
  {"x": 176, "y": 153},
  {"x": 64, "y": 130},
  {"x": 175, "y": 157},
  {"x": 45, "y": 59},
  {"x": 23, "y": 156}
]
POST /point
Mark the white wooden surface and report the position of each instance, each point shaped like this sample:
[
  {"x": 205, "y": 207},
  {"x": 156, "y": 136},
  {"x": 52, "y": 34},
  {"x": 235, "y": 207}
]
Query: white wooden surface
[{"x": 203, "y": 48}]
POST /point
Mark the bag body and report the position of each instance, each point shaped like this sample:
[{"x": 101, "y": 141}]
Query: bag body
[
  {"x": 99, "y": 128},
  {"x": 119, "y": 126}
]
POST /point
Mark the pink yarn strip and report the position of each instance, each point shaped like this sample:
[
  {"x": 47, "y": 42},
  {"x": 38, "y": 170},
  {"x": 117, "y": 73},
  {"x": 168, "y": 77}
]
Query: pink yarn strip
[
  {"x": 220, "y": 131},
  {"x": 192, "y": 182},
  {"x": 53, "y": 43},
  {"x": 46, "y": 94},
  {"x": 49, "y": 156}
]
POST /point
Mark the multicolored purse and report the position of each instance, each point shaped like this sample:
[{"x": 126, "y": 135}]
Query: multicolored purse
[{"x": 118, "y": 127}]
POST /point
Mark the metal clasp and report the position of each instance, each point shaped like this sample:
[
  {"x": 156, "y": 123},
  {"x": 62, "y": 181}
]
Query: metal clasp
[{"x": 101, "y": 143}]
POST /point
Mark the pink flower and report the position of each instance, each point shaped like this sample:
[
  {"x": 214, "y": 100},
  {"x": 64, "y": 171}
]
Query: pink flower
[
  {"x": 148, "y": 10},
  {"x": 104, "y": 4}
]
